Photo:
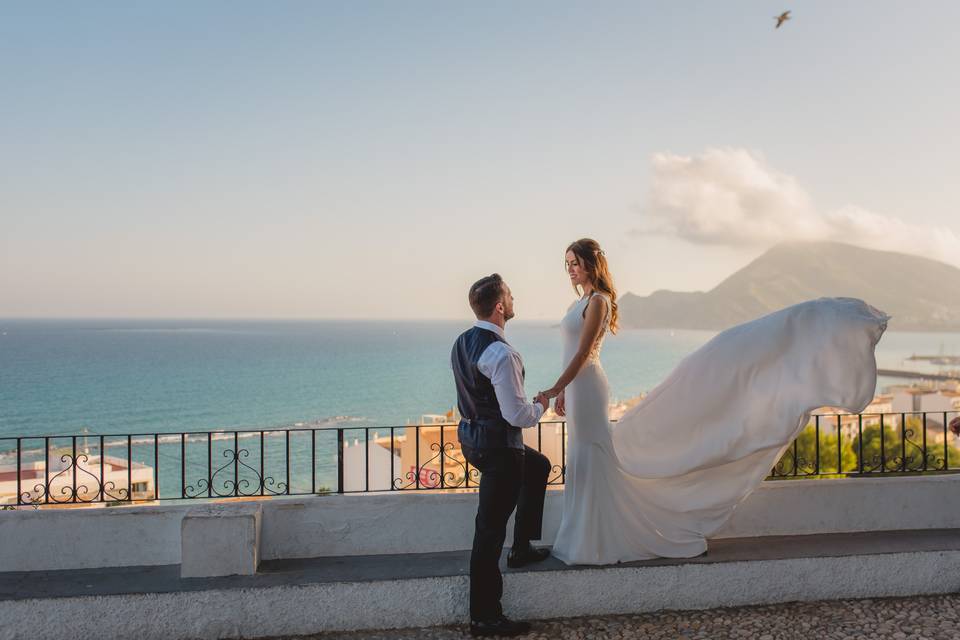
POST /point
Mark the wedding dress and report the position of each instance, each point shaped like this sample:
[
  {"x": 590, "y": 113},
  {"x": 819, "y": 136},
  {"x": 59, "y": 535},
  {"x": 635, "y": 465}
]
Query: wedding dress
[{"x": 671, "y": 471}]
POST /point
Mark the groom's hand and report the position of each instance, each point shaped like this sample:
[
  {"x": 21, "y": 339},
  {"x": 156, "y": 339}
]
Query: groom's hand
[{"x": 543, "y": 400}]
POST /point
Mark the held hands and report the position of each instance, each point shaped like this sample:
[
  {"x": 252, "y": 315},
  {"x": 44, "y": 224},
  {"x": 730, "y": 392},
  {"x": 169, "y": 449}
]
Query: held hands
[
  {"x": 543, "y": 400},
  {"x": 560, "y": 406},
  {"x": 543, "y": 397}
]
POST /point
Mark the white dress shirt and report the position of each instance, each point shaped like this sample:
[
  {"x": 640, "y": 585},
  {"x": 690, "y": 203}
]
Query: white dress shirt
[{"x": 503, "y": 366}]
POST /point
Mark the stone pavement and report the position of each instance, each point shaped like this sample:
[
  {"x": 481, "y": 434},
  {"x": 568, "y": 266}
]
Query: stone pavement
[{"x": 915, "y": 618}]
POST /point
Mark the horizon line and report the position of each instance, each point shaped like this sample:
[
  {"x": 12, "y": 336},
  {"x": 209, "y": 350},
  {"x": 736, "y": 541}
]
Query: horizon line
[{"x": 245, "y": 319}]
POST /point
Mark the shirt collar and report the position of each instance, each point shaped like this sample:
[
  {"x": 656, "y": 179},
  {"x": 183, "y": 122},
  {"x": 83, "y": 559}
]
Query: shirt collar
[{"x": 489, "y": 326}]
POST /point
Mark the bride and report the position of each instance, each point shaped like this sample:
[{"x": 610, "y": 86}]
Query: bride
[{"x": 670, "y": 473}]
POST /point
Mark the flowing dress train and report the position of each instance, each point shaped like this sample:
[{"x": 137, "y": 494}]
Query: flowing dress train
[{"x": 672, "y": 470}]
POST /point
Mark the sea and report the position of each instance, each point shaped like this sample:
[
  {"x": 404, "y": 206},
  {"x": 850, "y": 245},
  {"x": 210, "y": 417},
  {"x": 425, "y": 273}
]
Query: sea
[
  {"x": 147, "y": 376},
  {"x": 92, "y": 377}
]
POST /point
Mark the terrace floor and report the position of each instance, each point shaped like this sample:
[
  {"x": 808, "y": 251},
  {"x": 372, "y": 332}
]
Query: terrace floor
[{"x": 914, "y": 618}]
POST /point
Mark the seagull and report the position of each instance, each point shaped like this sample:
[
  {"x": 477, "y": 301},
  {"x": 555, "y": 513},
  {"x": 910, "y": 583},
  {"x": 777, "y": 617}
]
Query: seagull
[{"x": 783, "y": 17}]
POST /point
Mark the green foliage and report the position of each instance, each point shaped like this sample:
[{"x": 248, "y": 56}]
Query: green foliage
[{"x": 896, "y": 448}]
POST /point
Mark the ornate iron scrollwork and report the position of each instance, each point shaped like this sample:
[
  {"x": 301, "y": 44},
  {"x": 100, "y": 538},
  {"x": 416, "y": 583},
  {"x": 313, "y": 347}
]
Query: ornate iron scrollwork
[
  {"x": 232, "y": 488},
  {"x": 72, "y": 493}
]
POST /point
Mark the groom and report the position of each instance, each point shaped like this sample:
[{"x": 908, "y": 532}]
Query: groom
[{"x": 489, "y": 376}]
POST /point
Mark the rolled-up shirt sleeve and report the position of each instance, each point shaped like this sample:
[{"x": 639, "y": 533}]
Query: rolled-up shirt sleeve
[{"x": 503, "y": 366}]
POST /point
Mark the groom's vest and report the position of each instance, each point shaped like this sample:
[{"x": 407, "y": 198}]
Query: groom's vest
[{"x": 482, "y": 426}]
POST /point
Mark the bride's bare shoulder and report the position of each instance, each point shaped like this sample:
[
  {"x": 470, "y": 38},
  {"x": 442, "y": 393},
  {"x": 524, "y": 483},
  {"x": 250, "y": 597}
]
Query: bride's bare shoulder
[{"x": 600, "y": 299}]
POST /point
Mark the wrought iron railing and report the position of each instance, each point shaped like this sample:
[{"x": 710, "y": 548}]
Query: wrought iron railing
[{"x": 118, "y": 469}]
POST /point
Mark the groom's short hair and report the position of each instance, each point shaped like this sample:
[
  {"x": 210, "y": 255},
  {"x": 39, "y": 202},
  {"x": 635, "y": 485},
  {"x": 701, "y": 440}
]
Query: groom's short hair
[{"x": 485, "y": 294}]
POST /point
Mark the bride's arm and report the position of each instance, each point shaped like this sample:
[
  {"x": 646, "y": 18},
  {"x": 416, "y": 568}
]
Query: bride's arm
[{"x": 592, "y": 325}]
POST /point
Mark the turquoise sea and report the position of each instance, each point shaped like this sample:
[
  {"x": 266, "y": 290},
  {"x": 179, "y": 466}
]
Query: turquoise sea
[{"x": 146, "y": 376}]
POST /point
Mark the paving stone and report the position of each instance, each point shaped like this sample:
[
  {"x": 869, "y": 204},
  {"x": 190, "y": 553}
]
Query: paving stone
[{"x": 919, "y": 617}]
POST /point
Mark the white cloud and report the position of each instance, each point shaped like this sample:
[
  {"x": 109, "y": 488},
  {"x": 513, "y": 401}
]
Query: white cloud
[{"x": 732, "y": 197}]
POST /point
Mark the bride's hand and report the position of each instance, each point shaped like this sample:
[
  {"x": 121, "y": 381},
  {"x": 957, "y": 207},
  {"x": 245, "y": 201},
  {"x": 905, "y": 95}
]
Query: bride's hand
[{"x": 560, "y": 406}]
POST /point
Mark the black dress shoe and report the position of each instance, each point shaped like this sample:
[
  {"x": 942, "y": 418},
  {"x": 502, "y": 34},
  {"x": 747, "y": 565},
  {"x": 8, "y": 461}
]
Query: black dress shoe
[
  {"x": 501, "y": 626},
  {"x": 520, "y": 557}
]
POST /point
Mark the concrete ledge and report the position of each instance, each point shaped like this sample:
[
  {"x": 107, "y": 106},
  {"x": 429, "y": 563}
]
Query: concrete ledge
[
  {"x": 393, "y": 523},
  {"x": 813, "y": 506},
  {"x": 220, "y": 540},
  {"x": 90, "y": 537},
  {"x": 291, "y": 597}
]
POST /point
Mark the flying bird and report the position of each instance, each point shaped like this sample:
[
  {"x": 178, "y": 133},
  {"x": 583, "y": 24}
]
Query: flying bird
[{"x": 783, "y": 17}]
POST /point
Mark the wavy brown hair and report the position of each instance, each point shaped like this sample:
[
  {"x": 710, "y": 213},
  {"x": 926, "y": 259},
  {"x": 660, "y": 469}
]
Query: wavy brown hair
[{"x": 591, "y": 256}]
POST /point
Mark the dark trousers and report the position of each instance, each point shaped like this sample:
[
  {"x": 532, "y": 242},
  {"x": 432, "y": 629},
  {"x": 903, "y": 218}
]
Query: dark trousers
[{"x": 510, "y": 478}]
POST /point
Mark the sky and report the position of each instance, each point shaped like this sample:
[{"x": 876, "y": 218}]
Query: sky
[{"x": 364, "y": 159}]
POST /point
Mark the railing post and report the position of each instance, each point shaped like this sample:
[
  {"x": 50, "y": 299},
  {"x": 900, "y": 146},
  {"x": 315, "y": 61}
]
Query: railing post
[
  {"x": 442, "y": 428},
  {"x": 46, "y": 470},
  {"x": 209, "y": 464},
  {"x": 19, "y": 489},
  {"x": 883, "y": 450},
  {"x": 860, "y": 445},
  {"x": 73, "y": 472},
  {"x": 263, "y": 455},
  {"x": 839, "y": 446},
  {"x": 924, "y": 440},
  {"x": 339, "y": 460},
  {"x": 903, "y": 442},
  {"x": 946, "y": 448},
  {"x": 129, "y": 468},
  {"x": 236, "y": 463},
  {"x": 816, "y": 445},
  {"x": 563, "y": 452},
  {"x": 183, "y": 463},
  {"x": 156, "y": 466}
]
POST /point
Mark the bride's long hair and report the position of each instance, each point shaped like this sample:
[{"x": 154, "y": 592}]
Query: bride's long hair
[{"x": 591, "y": 256}]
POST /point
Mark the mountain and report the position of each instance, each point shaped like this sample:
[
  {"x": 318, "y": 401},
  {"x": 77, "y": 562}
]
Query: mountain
[{"x": 921, "y": 294}]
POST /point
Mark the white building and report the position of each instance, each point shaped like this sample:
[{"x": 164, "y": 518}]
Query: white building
[{"x": 36, "y": 479}]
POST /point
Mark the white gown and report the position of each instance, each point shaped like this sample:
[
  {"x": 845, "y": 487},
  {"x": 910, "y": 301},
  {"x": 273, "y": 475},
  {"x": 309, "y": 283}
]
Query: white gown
[{"x": 671, "y": 471}]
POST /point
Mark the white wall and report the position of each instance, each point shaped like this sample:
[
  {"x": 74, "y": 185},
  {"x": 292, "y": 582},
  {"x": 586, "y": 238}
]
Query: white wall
[
  {"x": 408, "y": 522},
  {"x": 355, "y": 469},
  {"x": 285, "y": 610},
  {"x": 931, "y": 402}
]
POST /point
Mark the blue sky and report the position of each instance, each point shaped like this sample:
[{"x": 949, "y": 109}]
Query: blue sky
[{"x": 372, "y": 159}]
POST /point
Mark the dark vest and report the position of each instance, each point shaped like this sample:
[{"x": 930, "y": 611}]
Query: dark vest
[{"x": 482, "y": 426}]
